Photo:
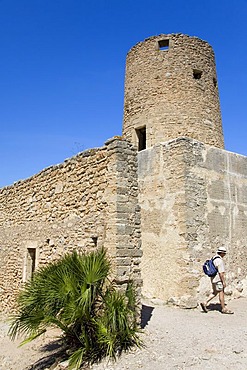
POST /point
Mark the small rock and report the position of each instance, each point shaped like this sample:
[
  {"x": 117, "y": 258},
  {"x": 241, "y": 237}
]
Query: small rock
[
  {"x": 157, "y": 302},
  {"x": 206, "y": 357},
  {"x": 64, "y": 363}
]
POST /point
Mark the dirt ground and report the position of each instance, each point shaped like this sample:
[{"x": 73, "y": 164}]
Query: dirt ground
[{"x": 173, "y": 339}]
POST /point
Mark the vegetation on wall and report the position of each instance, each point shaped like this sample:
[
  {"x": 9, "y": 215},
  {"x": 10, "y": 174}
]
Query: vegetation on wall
[{"x": 76, "y": 295}]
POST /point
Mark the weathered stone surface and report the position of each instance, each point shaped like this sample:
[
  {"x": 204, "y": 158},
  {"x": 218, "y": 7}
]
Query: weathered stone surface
[
  {"x": 164, "y": 93},
  {"x": 160, "y": 222},
  {"x": 80, "y": 204},
  {"x": 189, "y": 208}
]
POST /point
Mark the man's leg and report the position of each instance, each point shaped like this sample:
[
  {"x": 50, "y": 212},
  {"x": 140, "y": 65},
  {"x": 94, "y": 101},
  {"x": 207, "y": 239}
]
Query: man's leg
[
  {"x": 211, "y": 296},
  {"x": 222, "y": 303},
  {"x": 222, "y": 299}
]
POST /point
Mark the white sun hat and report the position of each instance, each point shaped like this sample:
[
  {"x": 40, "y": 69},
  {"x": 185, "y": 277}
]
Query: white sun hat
[{"x": 221, "y": 249}]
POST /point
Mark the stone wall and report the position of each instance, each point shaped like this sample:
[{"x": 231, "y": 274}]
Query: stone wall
[
  {"x": 193, "y": 199},
  {"x": 172, "y": 91},
  {"x": 161, "y": 173},
  {"x": 88, "y": 201},
  {"x": 216, "y": 189}
]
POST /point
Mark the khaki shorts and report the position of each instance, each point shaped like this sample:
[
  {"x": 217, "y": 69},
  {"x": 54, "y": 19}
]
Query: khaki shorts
[{"x": 218, "y": 287}]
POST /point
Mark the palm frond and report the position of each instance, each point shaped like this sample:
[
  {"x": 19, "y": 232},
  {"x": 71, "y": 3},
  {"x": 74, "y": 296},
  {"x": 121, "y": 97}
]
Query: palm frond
[
  {"x": 74, "y": 294},
  {"x": 76, "y": 359},
  {"x": 32, "y": 337}
]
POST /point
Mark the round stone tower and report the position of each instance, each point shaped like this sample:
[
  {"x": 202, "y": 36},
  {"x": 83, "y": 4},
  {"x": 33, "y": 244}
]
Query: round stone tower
[{"x": 171, "y": 91}]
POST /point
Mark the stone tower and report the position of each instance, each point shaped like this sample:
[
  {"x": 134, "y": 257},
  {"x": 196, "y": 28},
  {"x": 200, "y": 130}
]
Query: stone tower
[{"x": 171, "y": 91}]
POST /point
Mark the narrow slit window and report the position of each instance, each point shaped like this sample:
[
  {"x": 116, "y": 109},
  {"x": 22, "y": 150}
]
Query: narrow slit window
[
  {"x": 214, "y": 82},
  {"x": 197, "y": 74},
  {"x": 31, "y": 262},
  {"x": 141, "y": 136},
  {"x": 163, "y": 44}
]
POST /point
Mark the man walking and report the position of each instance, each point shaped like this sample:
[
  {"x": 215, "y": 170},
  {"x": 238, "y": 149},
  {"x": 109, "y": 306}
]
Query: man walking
[{"x": 218, "y": 282}]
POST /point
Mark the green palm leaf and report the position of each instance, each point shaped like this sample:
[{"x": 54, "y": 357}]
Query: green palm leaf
[{"x": 75, "y": 295}]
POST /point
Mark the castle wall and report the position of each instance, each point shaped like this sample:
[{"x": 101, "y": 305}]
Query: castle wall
[
  {"x": 192, "y": 195},
  {"x": 217, "y": 212},
  {"x": 172, "y": 91},
  {"x": 88, "y": 201},
  {"x": 162, "y": 200},
  {"x": 193, "y": 199}
]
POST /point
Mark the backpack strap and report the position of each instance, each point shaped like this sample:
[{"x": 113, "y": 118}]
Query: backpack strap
[{"x": 214, "y": 258}]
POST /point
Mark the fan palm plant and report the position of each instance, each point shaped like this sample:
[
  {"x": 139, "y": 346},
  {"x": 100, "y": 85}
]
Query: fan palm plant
[{"x": 76, "y": 295}]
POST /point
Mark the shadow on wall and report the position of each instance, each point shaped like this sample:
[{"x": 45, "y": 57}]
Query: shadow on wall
[{"x": 146, "y": 314}]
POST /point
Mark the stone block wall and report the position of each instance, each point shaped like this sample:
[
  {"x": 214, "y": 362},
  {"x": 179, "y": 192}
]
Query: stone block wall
[
  {"x": 88, "y": 201},
  {"x": 193, "y": 199},
  {"x": 216, "y": 187}
]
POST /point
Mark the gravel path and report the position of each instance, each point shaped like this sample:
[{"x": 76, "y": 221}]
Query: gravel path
[{"x": 174, "y": 339}]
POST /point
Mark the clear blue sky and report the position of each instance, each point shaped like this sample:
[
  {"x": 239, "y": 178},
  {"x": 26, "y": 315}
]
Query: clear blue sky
[{"x": 62, "y": 71}]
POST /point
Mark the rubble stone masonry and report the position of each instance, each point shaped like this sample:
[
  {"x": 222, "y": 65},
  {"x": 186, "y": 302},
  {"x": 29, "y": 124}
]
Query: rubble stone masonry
[
  {"x": 88, "y": 201},
  {"x": 182, "y": 195},
  {"x": 171, "y": 90}
]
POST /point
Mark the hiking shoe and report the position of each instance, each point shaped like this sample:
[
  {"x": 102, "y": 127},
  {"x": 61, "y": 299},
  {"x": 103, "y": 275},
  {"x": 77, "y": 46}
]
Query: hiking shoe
[
  {"x": 204, "y": 308},
  {"x": 227, "y": 312}
]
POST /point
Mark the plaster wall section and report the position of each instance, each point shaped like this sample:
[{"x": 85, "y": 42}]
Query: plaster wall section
[
  {"x": 161, "y": 173},
  {"x": 172, "y": 91},
  {"x": 74, "y": 205}
]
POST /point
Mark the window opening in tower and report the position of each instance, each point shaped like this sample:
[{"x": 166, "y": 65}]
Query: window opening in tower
[
  {"x": 197, "y": 74},
  {"x": 163, "y": 44},
  {"x": 141, "y": 135}
]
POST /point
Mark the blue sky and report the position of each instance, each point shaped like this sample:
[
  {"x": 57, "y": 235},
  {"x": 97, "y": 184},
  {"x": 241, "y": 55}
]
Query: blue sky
[{"x": 62, "y": 71}]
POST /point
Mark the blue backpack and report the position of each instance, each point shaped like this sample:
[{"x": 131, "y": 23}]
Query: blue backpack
[{"x": 209, "y": 268}]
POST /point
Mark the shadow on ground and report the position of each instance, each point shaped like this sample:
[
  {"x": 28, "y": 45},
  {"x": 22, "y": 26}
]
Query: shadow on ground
[
  {"x": 55, "y": 353},
  {"x": 146, "y": 314},
  {"x": 214, "y": 307}
]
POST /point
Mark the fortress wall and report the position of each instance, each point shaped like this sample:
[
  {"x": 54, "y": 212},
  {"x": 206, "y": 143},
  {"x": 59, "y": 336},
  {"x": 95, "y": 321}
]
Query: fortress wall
[
  {"x": 162, "y": 199},
  {"x": 217, "y": 212},
  {"x": 89, "y": 200},
  {"x": 193, "y": 199}
]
